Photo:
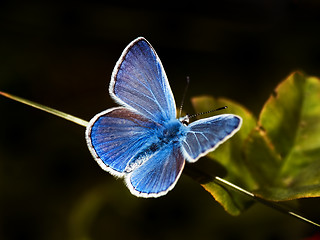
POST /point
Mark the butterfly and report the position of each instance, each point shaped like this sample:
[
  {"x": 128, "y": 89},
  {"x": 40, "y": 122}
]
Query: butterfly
[{"x": 142, "y": 141}]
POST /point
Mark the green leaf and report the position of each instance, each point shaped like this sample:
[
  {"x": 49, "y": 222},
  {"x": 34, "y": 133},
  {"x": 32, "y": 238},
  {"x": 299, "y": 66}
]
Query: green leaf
[
  {"x": 283, "y": 153},
  {"x": 228, "y": 156}
]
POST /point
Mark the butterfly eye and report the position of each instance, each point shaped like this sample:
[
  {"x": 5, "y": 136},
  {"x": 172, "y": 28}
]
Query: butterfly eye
[{"x": 185, "y": 120}]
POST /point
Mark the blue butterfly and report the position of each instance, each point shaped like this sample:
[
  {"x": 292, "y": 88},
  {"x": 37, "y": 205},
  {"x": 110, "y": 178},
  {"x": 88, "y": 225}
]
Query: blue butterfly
[{"x": 142, "y": 141}]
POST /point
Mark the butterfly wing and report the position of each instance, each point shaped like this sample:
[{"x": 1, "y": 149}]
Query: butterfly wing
[
  {"x": 157, "y": 175},
  {"x": 115, "y": 136},
  {"x": 205, "y": 135},
  {"x": 139, "y": 81}
]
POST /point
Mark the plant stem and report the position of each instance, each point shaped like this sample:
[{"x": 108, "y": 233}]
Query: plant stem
[
  {"x": 46, "y": 109},
  {"x": 273, "y": 205}
]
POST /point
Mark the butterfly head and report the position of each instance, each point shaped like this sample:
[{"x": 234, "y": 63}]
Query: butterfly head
[{"x": 185, "y": 120}]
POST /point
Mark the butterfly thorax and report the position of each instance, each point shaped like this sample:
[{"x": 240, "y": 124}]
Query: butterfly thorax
[
  {"x": 172, "y": 131},
  {"x": 167, "y": 135}
]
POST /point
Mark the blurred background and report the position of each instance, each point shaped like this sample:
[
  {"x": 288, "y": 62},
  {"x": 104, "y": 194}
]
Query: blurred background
[{"x": 62, "y": 55}]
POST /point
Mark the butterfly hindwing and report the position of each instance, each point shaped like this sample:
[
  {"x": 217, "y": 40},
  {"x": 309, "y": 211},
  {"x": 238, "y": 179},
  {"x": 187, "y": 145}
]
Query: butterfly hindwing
[
  {"x": 207, "y": 134},
  {"x": 158, "y": 174},
  {"x": 139, "y": 81},
  {"x": 115, "y": 136}
]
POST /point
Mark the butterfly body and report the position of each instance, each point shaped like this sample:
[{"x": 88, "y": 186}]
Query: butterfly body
[
  {"x": 143, "y": 141},
  {"x": 170, "y": 134}
]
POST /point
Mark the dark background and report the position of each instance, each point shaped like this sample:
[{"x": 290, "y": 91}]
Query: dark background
[{"x": 62, "y": 55}]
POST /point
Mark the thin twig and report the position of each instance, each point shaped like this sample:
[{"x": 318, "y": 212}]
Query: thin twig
[
  {"x": 46, "y": 109},
  {"x": 277, "y": 207}
]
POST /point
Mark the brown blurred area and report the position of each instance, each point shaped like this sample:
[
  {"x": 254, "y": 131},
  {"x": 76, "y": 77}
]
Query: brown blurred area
[{"x": 62, "y": 55}]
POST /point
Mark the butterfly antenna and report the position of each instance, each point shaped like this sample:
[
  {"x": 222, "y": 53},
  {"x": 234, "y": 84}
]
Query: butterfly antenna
[
  {"x": 197, "y": 114},
  {"x": 184, "y": 96}
]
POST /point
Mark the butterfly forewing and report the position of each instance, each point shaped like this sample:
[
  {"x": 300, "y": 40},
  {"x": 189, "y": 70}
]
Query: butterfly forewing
[
  {"x": 139, "y": 81},
  {"x": 207, "y": 134}
]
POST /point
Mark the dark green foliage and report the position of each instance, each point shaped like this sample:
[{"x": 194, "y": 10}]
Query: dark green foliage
[{"x": 276, "y": 157}]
